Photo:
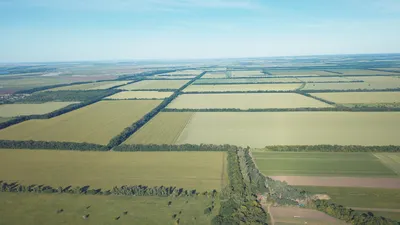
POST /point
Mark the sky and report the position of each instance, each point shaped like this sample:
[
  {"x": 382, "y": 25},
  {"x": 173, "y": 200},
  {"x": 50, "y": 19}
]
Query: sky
[{"x": 73, "y": 30}]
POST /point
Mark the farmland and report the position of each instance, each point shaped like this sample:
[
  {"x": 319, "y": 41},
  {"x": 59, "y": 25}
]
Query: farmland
[
  {"x": 360, "y": 72},
  {"x": 249, "y": 73},
  {"x": 245, "y": 101},
  {"x": 90, "y": 86},
  {"x": 202, "y": 171},
  {"x": 205, "y": 80},
  {"x": 140, "y": 95},
  {"x": 165, "y": 128},
  {"x": 214, "y": 75},
  {"x": 154, "y": 84},
  {"x": 287, "y": 128},
  {"x": 83, "y": 125},
  {"x": 349, "y": 86},
  {"x": 241, "y": 87},
  {"x": 360, "y": 97},
  {"x": 41, "y": 209},
  {"x": 299, "y": 72},
  {"x": 13, "y": 110}
]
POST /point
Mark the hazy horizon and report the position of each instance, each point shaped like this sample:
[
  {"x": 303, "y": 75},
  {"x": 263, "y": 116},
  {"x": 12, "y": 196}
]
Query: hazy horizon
[{"x": 60, "y": 31}]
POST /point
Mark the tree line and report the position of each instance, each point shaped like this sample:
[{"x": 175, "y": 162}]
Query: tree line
[
  {"x": 52, "y": 145},
  {"x": 282, "y": 82},
  {"x": 42, "y": 88},
  {"x": 143, "y": 74},
  {"x": 333, "y": 148},
  {"x": 166, "y": 147}
]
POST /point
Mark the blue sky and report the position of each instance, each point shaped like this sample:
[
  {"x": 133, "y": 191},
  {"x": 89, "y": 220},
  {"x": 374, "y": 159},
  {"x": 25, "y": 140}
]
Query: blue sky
[{"x": 68, "y": 30}]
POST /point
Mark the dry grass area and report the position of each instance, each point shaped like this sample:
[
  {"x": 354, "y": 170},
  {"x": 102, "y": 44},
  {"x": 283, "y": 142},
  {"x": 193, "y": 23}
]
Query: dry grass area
[
  {"x": 96, "y": 123},
  {"x": 360, "y": 97},
  {"x": 91, "y": 86},
  {"x": 165, "y": 128},
  {"x": 245, "y": 101},
  {"x": 141, "y": 95},
  {"x": 196, "y": 170},
  {"x": 260, "y": 129},
  {"x": 13, "y": 110},
  {"x": 154, "y": 84},
  {"x": 241, "y": 87}
]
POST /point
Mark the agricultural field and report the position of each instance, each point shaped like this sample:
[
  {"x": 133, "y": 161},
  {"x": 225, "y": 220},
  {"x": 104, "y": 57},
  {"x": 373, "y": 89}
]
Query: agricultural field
[
  {"x": 299, "y": 72},
  {"x": 260, "y": 129},
  {"x": 360, "y": 97},
  {"x": 186, "y": 72},
  {"x": 247, "y": 80},
  {"x": 90, "y": 86},
  {"x": 140, "y": 95},
  {"x": 349, "y": 86},
  {"x": 14, "y": 110},
  {"x": 248, "y": 73},
  {"x": 41, "y": 209},
  {"x": 214, "y": 75},
  {"x": 166, "y": 76},
  {"x": 326, "y": 79},
  {"x": 360, "y": 72},
  {"x": 391, "y": 68},
  {"x": 154, "y": 85},
  {"x": 83, "y": 125},
  {"x": 165, "y": 128},
  {"x": 203, "y": 171},
  {"x": 241, "y": 87},
  {"x": 4, "y": 119}
]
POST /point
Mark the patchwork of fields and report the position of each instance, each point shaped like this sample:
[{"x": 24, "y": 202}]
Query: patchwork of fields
[
  {"x": 241, "y": 87},
  {"x": 96, "y": 123},
  {"x": 13, "y": 110},
  {"x": 206, "y": 80},
  {"x": 154, "y": 84}
]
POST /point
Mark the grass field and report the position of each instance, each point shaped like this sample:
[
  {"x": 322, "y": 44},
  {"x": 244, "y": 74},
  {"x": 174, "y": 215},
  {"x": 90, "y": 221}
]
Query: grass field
[
  {"x": 360, "y": 97},
  {"x": 195, "y": 170},
  {"x": 96, "y": 123},
  {"x": 360, "y": 197},
  {"x": 391, "y": 160},
  {"x": 245, "y": 101},
  {"x": 13, "y": 110},
  {"x": 260, "y": 129},
  {"x": 241, "y": 87},
  {"x": 91, "y": 86},
  {"x": 204, "y": 80},
  {"x": 321, "y": 164},
  {"x": 165, "y": 128},
  {"x": 297, "y": 216},
  {"x": 154, "y": 84},
  {"x": 41, "y": 209},
  {"x": 140, "y": 95}
]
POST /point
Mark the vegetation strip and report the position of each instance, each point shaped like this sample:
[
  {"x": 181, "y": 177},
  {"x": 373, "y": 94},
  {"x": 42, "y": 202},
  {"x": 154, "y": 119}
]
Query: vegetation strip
[
  {"x": 333, "y": 148},
  {"x": 329, "y": 109},
  {"x": 55, "y": 145}
]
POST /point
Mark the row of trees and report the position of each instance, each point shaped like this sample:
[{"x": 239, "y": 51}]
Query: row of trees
[
  {"x": 117, "y": 140},
  {"x": 386, "y": 70},
  {"x": 333, "y": 148},
  {"x": 143, "y": 74},
  {"x": 166, "y": 147},
  {"x": 54, "y": 145},
  {"x": 136, "y": 190},
  {"x": 316, "y": 98}
]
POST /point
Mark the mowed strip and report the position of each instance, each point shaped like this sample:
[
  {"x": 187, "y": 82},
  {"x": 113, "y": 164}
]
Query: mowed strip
[
  {"x": 241, "y": 87},
  {"x": 245, "y": 101},
  {"x": 260, "y": 129},
  {"x": 154, "y": 84},
  {"x": 196, "y": 170},
  {"x": 321, "y": 164},
  {"x": 96, "y": 123},
  {"x": 13, "y": 110},
  {"x": 360, "y": 97},
  {"x": 165, "y": 128},
  {"x": 140, "y": 95}
]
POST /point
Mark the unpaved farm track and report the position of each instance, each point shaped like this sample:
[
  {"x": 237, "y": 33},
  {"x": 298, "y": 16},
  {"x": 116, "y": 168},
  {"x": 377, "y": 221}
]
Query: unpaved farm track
[{"x": 340, "y": 181}]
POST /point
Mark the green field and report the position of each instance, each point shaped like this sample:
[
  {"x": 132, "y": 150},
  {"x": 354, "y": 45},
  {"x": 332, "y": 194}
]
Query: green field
[
  {"x": 202, "y": 171},
  {"x": 154, "y": 84},
  {"x": 165, "y": 128},
  {"x": 320, "y": 164},
  {"x": 13, "y": 110},
  {"x": 96, "y": 123},
  {"x": 41, "y": 209}
]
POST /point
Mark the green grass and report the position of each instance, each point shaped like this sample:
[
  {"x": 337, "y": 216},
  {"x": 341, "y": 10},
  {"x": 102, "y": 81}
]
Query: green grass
[
  {"x": 360, "y": 197},
  {"x": 202, "y": 171},
  {"x": 3, "y": 119},
  {"x": 314, "y": 163},
  {"x": 41, "y": 209}
]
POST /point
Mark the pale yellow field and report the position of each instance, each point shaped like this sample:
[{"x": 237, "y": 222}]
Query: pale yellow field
[
  {"x": 166, "y": 76},
  {"x": 324, "y": 79},
  {"x": 193, "y": 72},
  {"x": 140, "y": 95},
  {"x": 360, "y": 72},
  {"x": 12, "y": 110},
  {"x": 241, "y": 87},
  {"x": 245, "y": 101},
  {"x": 215, "y": 75},
  {"x": 298, "y": 72},
  {"x": 259, "y": 129},
  {"x": 248, "y": 73},
  {"x": 155, "y": 84},
  {"x": 165, "y": 128},
  {"x": 91, "y": 86},
  {"x": 96, "y": 123},
  {"x": 360, "y": 97},
  {"x": 342, "y": 86},
  {"x": 381, "y": 81}
]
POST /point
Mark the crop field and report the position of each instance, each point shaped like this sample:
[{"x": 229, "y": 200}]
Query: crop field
[
  {"x": 247, "y": 80},
  {"x": 299, "y": 72},
  {"x": 214, "y": 75},
  {"x": 41, "y": 209},
  {"x": 295, "y": 215},
  {"x": 361, "y": 72},
  {"x": 391, "y": 68},
  {"x": 83, "y": 125},
  {"x": 154, "y": 84},
  {"x": 241, "y": 87},
  {"x": 248, "y": 73},
  {"x": 202, "y": 171},
  {"x": 325, "y": 79},
  {"x": 13, "y": 110},
  {"x": 184, "y": 72},
  {"x": 165, "y": 128},
  {"x": 245, "y": 101},
  {"x": 140, "y": 95},
  {"x": 321, "y": 164},
  {"x": 260, "y": 129},
  {"x": 166, "y": 76},
  {"x": 90, "y": 86},
  {"x": 349, "y": 86},
  {"x": 360, "y": 97},
  {"x": 381, "y": 81}
]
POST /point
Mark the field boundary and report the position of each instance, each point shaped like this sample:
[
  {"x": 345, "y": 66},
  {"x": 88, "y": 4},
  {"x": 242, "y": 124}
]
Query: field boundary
[
  {"x": 51, "y": 145},
  {"x": 324, "y": 109},
  {"x": 389, "y": 162}
]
